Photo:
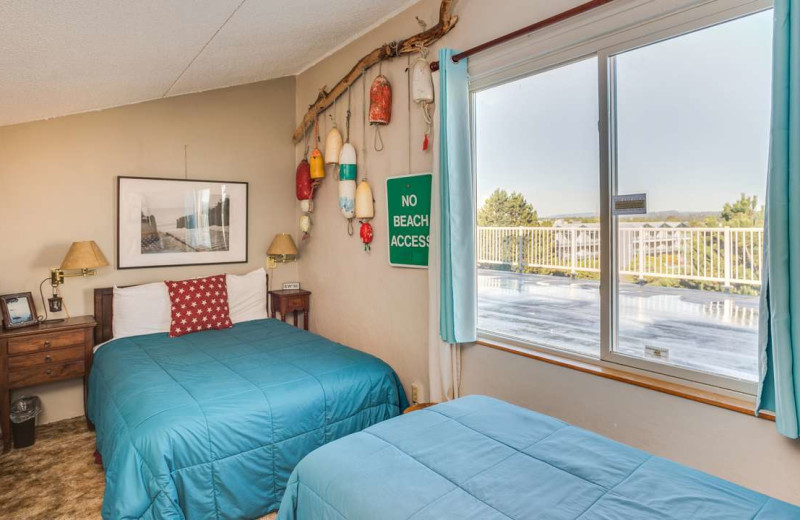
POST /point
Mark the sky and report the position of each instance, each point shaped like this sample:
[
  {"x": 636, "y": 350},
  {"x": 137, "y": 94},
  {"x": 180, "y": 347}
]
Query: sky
[{"x": 693, "y": 125}]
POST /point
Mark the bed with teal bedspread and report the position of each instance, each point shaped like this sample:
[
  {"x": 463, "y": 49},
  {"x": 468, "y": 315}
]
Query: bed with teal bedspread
[
  {"x": 483, "y": 459},
  {"x": 211, "y": 424}
]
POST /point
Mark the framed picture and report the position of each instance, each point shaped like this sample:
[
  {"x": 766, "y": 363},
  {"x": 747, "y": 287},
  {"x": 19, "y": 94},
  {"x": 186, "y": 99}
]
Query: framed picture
[
  {"x": 18, "y": 310},
  {"x": 173, "y": 222}
]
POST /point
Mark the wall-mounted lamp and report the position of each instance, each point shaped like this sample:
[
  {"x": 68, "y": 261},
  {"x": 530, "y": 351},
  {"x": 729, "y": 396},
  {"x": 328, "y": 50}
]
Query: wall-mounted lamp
[
  {"x": 282, "y": 249},
  {"x": 82, "y": 259}
]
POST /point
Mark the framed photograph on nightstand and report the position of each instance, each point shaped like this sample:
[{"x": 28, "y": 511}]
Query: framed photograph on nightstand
[{"x": 18, "y": 310}]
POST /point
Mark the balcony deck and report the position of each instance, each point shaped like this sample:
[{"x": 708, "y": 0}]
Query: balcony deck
[{"x": 711, "y": 331}]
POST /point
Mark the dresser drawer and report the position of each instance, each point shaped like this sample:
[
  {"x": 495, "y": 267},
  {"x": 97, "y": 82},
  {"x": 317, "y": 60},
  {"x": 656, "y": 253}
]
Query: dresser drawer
[
  {"x": 43, "y": 342},
  {"x": 44, "y": 374},
  {"x": 49, "y": 357},
  {"x": 295, "y": 304}
]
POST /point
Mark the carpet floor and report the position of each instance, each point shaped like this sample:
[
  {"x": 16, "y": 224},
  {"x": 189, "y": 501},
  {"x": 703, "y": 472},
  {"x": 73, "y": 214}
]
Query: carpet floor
[{"x": 56, "y": 478}]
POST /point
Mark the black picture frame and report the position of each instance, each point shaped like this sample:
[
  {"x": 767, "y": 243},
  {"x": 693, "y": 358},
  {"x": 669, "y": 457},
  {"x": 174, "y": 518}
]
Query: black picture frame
[
  {"x": 243, "y": 227},
  {"x": 13, "y": 318}
]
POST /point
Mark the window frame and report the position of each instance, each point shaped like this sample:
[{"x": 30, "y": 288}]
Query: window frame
[{"x": 615, "y": 41}]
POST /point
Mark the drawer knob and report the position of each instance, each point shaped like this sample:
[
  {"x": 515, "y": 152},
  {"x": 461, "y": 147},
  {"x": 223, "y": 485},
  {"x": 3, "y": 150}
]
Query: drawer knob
[
  {"x": 48, "y": 359},
  {"x": 48, "y": 371},
  {"x": 46, "y": 344}
]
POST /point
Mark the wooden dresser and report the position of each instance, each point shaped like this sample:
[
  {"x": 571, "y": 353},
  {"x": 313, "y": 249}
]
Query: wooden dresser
[{"x": 43, "y": 354}]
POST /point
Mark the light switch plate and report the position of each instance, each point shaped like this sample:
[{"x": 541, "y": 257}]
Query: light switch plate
[{"x": 291, "y": 285}]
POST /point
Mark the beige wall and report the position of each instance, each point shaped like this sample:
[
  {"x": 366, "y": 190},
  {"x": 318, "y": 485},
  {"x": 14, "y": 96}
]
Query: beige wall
[
  {"x": 362, "y": 301},
  {"x": 58, "y": 185}
]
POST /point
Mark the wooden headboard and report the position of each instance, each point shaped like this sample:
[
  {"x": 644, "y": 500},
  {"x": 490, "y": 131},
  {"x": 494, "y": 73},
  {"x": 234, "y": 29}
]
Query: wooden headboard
[{"x": 104, "y": 312}]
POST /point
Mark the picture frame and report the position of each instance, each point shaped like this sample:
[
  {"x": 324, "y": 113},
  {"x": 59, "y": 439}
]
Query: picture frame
[
  {"x": 18, "y": 310},
  {"x": 166, "y": 222}
]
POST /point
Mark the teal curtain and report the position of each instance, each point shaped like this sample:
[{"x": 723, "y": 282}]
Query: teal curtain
[
  {"x": 458, "y": 300},
  {"x": 779, "y": 327}
]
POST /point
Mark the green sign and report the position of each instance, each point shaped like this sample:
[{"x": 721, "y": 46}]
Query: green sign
[{"x": 408, "y": 201}]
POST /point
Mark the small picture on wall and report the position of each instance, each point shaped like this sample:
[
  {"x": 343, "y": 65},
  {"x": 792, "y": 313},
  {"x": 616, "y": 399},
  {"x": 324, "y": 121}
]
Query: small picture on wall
[
  {"x": 172, "y": 222},
  {"x": 18, "y": 310}
]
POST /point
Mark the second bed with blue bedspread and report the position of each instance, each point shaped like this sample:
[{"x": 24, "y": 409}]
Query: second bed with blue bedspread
[{"x": 483, "y": 459}]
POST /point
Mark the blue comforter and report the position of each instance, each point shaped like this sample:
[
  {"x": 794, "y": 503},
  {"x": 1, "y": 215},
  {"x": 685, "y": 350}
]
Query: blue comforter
[
  {"x": 211, "y": 424},
  {"x": 484, "y": 459}
]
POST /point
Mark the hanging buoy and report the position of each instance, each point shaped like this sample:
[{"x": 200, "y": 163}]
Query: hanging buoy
[
  {"x": 380, "y": 107},
  {"x": 303, "y": 186},
  {"x": 305, "y": 225},
  {"x": 333, "y": 145},
  {"x": 422, "y": 90},
  {"x": 365, "y": 208},
  {"x": 380, "y": 101},
  {"x": 366, "y": 234},
  {"x": 347, "y": 181},
  {"x": 317, "y": 165},
  {"x": 316, "y": 161}
]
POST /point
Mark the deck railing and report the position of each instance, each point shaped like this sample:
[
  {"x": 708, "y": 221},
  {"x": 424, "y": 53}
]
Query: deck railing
[{"x": 725, "y": 255}]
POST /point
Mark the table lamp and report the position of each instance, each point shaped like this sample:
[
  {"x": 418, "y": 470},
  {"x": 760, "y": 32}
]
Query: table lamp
[
  {"x": 282, "y": 249},
  {"x": 82, "y": 259}
]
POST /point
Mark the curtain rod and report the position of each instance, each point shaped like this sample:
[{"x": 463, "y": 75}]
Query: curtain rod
[{"x": 560, "y": 17}]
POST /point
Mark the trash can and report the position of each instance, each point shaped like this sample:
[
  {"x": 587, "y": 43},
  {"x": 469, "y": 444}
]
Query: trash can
[{"x": 23, "y": 420}]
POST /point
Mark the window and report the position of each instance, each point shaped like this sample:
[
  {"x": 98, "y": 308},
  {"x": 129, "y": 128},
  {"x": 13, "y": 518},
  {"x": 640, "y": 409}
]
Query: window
[
  {"x": 537, "y": 158},
  {"x": 684, "y": 118}
]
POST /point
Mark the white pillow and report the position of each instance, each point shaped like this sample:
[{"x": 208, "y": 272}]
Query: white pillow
[
  {"x": 247, "y": 296},
  {"x": 141, "y": 309}
]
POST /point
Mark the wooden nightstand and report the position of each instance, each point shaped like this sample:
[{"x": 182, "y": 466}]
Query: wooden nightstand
[
  {"x": 42, "y": 354},
  {"x": 291, "y": 300},
  {"x": 418, "y": 406}
]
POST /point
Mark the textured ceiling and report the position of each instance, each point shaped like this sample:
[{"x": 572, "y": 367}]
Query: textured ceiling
[{"x": 59, "y": 58}]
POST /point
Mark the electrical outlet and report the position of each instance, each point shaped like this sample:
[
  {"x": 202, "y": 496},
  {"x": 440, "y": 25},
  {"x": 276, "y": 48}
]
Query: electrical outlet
[{"x": 416, "y": 392}]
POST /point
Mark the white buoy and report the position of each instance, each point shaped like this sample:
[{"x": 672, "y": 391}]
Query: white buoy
[
  {"x": 365, "y": 208},
  {"x": 347, "y": 181}
]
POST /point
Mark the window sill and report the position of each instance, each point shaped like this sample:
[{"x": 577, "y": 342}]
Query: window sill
[{"x": 625, "y": 376}]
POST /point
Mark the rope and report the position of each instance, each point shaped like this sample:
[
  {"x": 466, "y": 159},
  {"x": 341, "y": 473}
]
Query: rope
[
  {"x": 348, "y": 114},
  {"x": 316, "y": 130},
  {"x": 332, "y": 115},
  {"x": 364, "y": 126},
  {"x": 408, "y": 85}
]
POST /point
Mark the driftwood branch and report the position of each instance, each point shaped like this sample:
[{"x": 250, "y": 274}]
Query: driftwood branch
[{"x": 385, "y": 52}]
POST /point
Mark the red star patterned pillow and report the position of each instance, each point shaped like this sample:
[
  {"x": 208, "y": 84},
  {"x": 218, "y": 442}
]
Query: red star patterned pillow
[{"x": 199, "y": 304}]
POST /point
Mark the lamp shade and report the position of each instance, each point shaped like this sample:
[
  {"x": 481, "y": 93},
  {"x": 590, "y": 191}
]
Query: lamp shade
[
  {"x": 84, "y": 255},
  {"x": 282, "y": 245}
]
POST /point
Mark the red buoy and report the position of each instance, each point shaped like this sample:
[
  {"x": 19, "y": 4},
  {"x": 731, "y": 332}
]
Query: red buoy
[
  {"x": 366, "y": 234},
  {"x": 380, "y": 101}
]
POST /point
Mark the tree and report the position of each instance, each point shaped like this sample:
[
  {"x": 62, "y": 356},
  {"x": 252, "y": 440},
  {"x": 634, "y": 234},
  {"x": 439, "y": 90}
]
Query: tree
[
  {"x": 743, "y": 213},
  {"x": 504, "y": 210}
]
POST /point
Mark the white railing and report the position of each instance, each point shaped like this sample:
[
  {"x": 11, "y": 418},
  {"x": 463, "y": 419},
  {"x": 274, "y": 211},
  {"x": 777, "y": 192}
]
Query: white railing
[{"x": 726, "y": 255}]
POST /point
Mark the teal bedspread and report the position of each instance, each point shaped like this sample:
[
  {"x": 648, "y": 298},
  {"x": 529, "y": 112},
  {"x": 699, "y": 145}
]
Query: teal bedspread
[
  {"x": 211, "y": 424},
  {"x": 482, "y": 459}
]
